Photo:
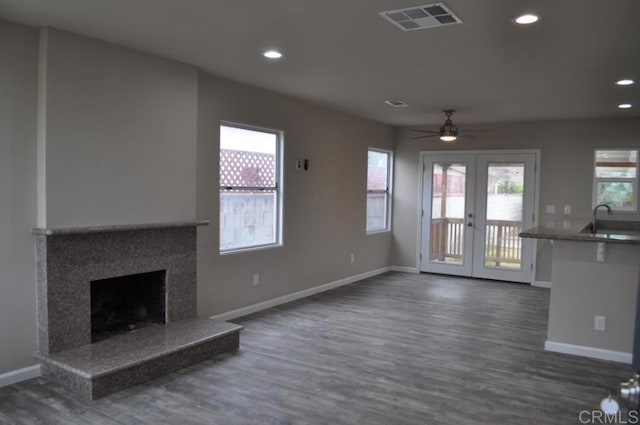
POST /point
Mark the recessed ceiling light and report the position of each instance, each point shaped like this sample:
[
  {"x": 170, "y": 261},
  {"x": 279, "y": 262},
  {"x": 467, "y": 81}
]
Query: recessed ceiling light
[
  {"x": 526, "y": 19},
  {"x": 625, "y": 82},
  {"x": 272, "y": 54},
  {"x": 625, "y": 105}
]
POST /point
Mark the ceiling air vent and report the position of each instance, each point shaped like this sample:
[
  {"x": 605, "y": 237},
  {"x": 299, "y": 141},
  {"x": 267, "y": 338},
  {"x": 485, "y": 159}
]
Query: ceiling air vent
[
  {"x": 421, "y": 17},
  {"x": 396, "y": 103}
]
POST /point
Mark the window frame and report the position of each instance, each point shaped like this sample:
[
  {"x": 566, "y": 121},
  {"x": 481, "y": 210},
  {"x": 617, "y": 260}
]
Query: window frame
[
  {"x": 632, "y": 180},
  {"x": 278, "y": 188},
  {"x": 387, "y": 192}
]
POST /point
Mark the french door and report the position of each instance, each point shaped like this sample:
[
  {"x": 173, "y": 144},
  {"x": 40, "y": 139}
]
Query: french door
[{"x": 474, "y": 205}]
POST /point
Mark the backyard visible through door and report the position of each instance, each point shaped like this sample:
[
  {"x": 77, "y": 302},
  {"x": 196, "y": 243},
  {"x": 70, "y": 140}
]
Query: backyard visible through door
[{"x": 474, "y": 206}]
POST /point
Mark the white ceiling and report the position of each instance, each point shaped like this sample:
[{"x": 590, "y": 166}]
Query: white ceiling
[{"x": 342, "y": 54}]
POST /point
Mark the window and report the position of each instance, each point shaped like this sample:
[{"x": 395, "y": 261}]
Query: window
[
  {"x": 378, "y": 184},
  {"x": 250, "y": 193},
  {"x": 616, "y": 179}
]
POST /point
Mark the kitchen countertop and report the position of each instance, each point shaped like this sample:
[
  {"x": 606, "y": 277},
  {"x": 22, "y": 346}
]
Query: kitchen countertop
[{"x": 612, "y": 231}]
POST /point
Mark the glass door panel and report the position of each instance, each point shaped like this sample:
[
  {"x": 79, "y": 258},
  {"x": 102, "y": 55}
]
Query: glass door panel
[
  {"x": 505, "y": 204},
  {"x": 447, "y": 213},
  {"x": 447, "y": 208},
  {"x": 505, "y": 201}
]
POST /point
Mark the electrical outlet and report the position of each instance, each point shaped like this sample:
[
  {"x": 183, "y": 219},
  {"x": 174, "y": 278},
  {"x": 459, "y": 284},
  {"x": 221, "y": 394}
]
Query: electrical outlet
[
  {"x": 567, "y": 209},
  {"x": 600, "y": 252},
  {"x": 256, "y": 279},
  {"x": 599, "y": 323},
  {"x": 352, "y": 258},
  {"x": 298, "y": 164}
]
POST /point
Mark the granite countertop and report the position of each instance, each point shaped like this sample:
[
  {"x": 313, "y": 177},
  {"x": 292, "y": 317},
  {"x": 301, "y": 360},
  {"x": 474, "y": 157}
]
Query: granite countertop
[
  {"x": 613, "y": 231},
  {"x": 115, "y": 228}
]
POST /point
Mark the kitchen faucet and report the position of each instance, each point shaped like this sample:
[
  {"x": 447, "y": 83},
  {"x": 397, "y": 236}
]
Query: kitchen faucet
[{"x": 594, "y": 226}]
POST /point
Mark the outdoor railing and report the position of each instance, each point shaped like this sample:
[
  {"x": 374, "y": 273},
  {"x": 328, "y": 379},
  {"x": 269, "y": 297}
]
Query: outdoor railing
[
  {"x": 446, "y": 238},
  {"x": 502, "y": 244}
]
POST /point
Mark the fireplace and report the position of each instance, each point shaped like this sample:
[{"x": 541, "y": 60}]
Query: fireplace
[
  {"x": 117, "y": 263},
  {"x": 127, "y": 303},
  {"x": 117, "y": 306}
]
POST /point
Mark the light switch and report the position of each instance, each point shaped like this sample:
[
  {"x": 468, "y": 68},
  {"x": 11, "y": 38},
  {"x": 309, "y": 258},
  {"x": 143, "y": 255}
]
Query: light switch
[
  {"x": 550, "y": 209},
  {"x": 567, "y": 209}
]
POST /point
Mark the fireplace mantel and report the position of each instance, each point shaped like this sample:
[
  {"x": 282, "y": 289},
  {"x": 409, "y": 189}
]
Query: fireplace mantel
[{"x": 115, "y": 228}]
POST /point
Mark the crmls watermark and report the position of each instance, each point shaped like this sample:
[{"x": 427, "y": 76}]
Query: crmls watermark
[{"x": 599, "y": 417}]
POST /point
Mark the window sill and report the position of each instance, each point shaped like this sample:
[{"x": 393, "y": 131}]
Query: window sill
[
  {"x": 250, "y": 249},
  {"x": 375, "y": 232}
]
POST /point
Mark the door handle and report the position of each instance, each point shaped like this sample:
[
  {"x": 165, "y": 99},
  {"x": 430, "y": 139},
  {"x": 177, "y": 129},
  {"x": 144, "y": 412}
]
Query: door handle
[{"x": 469, "y": 224}]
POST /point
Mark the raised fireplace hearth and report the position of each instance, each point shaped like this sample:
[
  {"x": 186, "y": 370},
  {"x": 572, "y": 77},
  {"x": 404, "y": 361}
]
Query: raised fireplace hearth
[{"x": 117, "y": 306}]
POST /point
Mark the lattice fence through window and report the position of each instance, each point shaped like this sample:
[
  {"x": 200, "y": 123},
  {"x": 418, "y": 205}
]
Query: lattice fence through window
[{"x": 247, "y": 169}]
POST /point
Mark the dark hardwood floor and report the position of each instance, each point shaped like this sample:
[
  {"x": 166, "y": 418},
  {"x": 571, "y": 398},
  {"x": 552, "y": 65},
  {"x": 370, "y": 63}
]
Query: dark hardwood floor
[{"x": 394, "y": 349}]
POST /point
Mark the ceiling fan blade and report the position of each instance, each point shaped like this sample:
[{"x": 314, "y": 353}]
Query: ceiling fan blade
[
  {"x": 468, "y": 136},
  {"x": 425, "y": 131},
  {"x": 476, "y": 129},
  {"x": 424, "y": 137}
]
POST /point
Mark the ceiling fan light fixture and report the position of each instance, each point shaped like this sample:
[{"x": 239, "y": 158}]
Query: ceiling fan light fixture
[
  {"x": 448, "y": 131},
  {"x": 448, "y": 136}
]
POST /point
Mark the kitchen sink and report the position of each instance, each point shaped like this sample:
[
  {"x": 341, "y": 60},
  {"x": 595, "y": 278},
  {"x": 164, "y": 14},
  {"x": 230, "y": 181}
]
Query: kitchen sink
[{"x": 615, "y": 229}]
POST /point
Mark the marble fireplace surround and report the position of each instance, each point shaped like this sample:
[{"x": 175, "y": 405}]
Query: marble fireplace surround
[{"x": 68, "y": 259}]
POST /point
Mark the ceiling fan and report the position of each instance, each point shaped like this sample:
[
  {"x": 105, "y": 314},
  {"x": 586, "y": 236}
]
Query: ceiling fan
[{"x": 448, "y": 131}]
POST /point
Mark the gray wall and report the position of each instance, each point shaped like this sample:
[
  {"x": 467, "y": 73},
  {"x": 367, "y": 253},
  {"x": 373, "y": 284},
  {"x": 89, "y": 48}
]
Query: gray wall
[
  {"x": 18, "y": 97},
  {"x": 566, "y": 172},
  {"x": 127, "y": 137},
  {"x": 119, "y": 134},
  {"x": 324, "y": 208}
]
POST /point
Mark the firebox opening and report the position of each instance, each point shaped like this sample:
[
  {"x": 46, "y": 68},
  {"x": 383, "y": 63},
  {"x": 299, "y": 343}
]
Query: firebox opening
[{"x": 123, "y": 304}]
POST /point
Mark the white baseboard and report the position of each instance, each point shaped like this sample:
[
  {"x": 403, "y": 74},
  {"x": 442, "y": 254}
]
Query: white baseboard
[
  {"x": 19, "y": 375},
  {"x": 541, "y": 284},
  {"x": 594, "y": 353},
  {"x": 233, "y": 314},
  {"x": 404, "y": 269}
]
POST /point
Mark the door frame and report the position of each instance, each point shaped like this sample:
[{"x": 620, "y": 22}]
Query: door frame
[{"x": 536, "y": 201}]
